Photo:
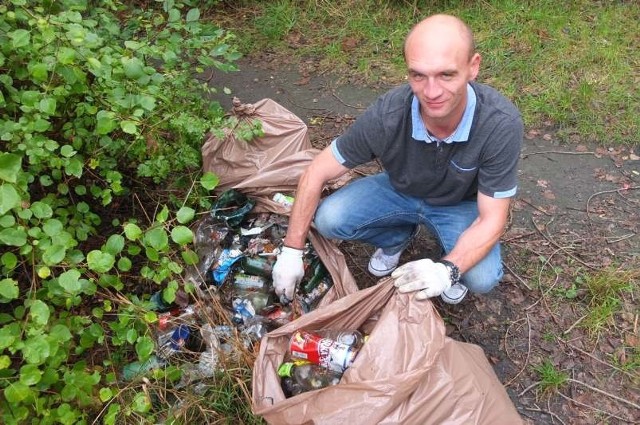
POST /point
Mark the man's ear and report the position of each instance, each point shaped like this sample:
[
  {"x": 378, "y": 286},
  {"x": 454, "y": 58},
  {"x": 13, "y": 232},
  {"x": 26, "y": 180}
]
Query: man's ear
[{"x": 474, "y": 64}]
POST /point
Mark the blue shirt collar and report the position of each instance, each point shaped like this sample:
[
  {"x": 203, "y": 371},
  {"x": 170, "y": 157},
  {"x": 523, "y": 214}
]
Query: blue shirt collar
[{"x": 461, "y": 134}]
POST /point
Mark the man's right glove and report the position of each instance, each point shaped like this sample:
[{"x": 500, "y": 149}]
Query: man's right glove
[
  {"x": 428, "y": 278},
  {"x": 288, "y": 271}
]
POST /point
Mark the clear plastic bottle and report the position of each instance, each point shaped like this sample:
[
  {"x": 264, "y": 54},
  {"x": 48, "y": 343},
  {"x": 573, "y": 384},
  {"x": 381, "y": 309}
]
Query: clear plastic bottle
[{"x": 302, "y": 377}]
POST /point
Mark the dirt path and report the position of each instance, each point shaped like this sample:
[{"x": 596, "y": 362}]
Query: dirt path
[{"x": 576, "y": 215}]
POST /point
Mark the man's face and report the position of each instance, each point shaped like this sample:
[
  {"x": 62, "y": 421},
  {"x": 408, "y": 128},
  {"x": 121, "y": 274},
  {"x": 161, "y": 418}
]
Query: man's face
[{"x": 438, "y": 73}]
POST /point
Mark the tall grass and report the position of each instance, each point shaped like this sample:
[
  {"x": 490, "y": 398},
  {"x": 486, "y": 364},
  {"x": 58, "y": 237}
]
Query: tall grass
[{"x": 574, "y": 65}]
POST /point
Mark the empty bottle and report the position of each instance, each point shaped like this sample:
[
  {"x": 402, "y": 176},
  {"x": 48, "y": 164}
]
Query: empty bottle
[{"x": 301, "y": 377}]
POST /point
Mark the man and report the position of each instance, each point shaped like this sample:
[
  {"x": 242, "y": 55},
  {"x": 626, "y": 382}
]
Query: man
[{"x": 449, "y": 148}]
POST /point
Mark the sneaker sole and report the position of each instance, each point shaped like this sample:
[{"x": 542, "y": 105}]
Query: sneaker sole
[
  {"x": 450, "y": 300},
  {"x": 380, "y": 273}
]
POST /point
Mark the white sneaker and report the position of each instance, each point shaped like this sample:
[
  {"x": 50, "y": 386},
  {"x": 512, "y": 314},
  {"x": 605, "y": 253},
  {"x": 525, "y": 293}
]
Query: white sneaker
[
  {"x": 454, "y": 294},
  {"x": 382, "y": 264}
]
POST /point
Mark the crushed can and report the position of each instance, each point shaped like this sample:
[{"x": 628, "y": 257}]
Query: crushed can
[{"x": 325, "y": 352}]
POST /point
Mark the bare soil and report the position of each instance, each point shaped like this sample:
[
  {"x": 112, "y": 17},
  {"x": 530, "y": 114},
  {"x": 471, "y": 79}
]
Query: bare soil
[{"x": 576, "y": 214}]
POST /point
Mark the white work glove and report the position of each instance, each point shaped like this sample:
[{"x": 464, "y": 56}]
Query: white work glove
[
  {"x": 287, "y": 272},
  {"x": 428, "y": 278}
]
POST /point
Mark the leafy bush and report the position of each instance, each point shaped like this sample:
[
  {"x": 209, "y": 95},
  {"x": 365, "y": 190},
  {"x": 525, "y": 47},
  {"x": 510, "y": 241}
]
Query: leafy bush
[{"x": 94, "y": 95}]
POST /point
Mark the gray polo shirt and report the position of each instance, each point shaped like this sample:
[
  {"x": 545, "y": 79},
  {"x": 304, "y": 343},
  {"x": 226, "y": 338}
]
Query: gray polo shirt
[{"x": 481, "y": 155}]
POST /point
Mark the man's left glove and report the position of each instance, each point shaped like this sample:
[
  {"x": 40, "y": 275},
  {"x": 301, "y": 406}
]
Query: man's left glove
[{"x": 428, "y": 278}]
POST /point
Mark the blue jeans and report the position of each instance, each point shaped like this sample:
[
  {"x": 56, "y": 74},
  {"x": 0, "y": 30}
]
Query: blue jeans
[{"x": 371, "y": 210}]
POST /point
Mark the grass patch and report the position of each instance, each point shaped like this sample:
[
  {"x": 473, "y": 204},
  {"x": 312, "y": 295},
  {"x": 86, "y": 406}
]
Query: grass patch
[
  {"x": 570, "y": 64},
  {"x": 551, "y": 379},
  {"x": 606, "y": 291}
]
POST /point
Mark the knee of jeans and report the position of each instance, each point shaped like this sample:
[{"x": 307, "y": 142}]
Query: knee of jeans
[
  {"x": 328, "y": 219},
  {"x": 482, "y": 280}
]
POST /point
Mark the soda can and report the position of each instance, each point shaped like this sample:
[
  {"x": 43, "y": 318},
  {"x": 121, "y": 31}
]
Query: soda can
[{"x": 322, "y": 351}]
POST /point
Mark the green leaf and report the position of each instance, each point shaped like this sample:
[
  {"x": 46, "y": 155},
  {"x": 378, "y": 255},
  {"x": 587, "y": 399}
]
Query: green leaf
[
  {"x": 30, "y": 374},
  {"x": 181, "y": 235},
  {"x": 132, "y": 231},
  {"x": 112, "y": 414},
  {"x": 7, "y": 221},
  {"x": 174, "y": 15},
  {"x": 133, "y": 68},
  {"x": 39, "y": 312},
  {"x": 129, "y": 127},
  {"x": 74, "y": 167},
  {"x": 9, "y": 289},
  {"x": 163, "y": 215},
  {"x": 70, "y": 281},
  {"x": 105, "y": 394},
  {"x": 60, "y": 333},
  {"x": 124, "y": 264},
  {"x": 141, "y": 403},
  {"x": 144, "y": 347},
  {"x": 47, "y": 106},
  {"x": 147, "y": 102},
  {"x": 9, "y": 260},
  {"x": 193, "y": 15},
  {"x": 19, "y": 38},
  {"x": 9, "y": 198},
  {"x": 100, "y": 262},
  {"x": 54, "y": 254},
  {"x": 10, "y": 164},
  {"x": 105, "y": 122},
  {"x": 190, "y": 257},
  {"x": 5, "y": 362},
  {"x": 114, "y": 244},
  {"x": 209, "y": 180},
  {"x": 66, "y": 55},
  {"x": 16, "y": 392},
  {"x": 185, "y": 215},
  {"x": 36, "y": 350},
  {"x": 157, "y": 238},
  {"x": 52, "y": 227},
  {"x": 67, "y": 151},
  {"x": 13, "y": 237},
  {"x": 132, "y": 335},
  {"x": 41, "y": 210}
]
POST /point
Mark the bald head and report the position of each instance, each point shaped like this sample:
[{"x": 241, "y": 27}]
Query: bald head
[{"x": 446, "y": 29}]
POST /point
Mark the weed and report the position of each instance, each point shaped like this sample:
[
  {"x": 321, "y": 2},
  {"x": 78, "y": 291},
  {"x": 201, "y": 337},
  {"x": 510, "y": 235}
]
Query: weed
[
  {"x": 605, "y": 292},
  {"x": 551, "y": 379}
]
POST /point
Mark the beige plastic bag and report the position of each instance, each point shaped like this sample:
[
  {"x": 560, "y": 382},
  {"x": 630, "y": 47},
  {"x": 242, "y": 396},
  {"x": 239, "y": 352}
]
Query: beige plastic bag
[
  {"x": 408, "y": 372},
  {"x": 269, "y": 164}
]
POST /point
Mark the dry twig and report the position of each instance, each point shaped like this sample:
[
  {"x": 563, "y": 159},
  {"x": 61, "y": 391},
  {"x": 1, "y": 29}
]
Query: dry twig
[{"x": 526, "y": 360}]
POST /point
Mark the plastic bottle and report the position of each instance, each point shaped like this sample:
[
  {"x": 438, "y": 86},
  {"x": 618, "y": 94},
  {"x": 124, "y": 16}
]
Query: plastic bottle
[{"x": 298, "y": 378}]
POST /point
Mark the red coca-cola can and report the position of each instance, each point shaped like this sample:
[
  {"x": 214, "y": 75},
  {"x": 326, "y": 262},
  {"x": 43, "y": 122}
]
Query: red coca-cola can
[{"x": 322, "y": 351}]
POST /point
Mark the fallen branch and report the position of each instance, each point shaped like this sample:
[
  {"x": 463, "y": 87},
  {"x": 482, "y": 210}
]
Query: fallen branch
[
  {"x": 346, "y": 104},
  {"x": 526, "y": 360},
  {"x": 551, "y": 241},
  {"x": 548, "y": 412},
  {"x": 594, "y": 408},
  {"x": 521, "y": 280},
  {"x": 556, "y": 152},
  {"x": 573, "y": 347},
  {"x": 607, "y": 191},
  {"x": 599, "y": 391}
]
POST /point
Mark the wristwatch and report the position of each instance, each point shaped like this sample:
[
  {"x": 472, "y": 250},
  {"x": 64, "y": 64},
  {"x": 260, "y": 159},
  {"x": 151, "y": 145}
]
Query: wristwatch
[{"x": 454, "y": 271}]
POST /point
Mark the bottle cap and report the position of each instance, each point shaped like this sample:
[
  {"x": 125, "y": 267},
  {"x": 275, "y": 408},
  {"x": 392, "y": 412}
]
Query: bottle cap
[{"x": 284, "y": 371}]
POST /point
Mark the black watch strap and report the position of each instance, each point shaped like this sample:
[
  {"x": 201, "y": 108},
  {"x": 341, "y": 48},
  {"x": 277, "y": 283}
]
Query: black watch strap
[{"x": 454, "y": 271}]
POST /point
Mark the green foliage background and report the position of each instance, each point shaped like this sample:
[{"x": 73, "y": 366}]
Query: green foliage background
[{"x": 97, "y": 100}]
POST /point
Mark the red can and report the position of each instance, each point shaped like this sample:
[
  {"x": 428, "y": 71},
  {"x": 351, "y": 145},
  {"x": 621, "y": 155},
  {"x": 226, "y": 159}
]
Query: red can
[{"x": 322, "y": 351}]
